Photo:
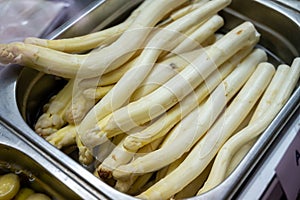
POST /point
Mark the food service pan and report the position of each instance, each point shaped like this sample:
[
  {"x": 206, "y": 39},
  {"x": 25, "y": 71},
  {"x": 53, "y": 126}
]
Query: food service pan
[{"x": 24, "y": 90}]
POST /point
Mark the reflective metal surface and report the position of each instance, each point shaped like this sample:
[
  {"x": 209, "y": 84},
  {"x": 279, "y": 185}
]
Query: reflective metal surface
[{"x": 22, "y": 90}]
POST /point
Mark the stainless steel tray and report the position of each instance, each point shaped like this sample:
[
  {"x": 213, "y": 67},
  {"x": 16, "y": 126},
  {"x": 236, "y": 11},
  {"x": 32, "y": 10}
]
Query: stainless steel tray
[
  {"x": 21, "y": 157},
  {"x": 22, "y": 89}
]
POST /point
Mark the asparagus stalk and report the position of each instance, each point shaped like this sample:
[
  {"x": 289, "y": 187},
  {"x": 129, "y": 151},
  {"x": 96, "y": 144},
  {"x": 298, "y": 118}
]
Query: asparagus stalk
[
  {"x": 140, "y": 184},
  {"x": 137, "y": 113},
  {"x": 121, "y": 51},
  {"x": 89, "y": 65},
  {"x": 195, "y": 124},
  {"x": 175, "y": 114},
  {"x": 108, "y": 78},
  {"x": 192, "y": 188},
  {"x": 85, "y": 155},
  {"x": 78, "y": 107},
  {"x": 53, "y": 118},
  {"x": 105, "y": 149},
  {"x": 120, "y": 156},
  {"x": 160, "y": 174},
  {"x": 164, "y": 71},
  {"x": 65, "y": 136},
  {"x": 273, "y": 100},
  {"x": 194, "y": 40},
  {"x": 124, "y": 186},
  {"x": 180, "y": 12},
  {"x": 204, "y": 151},
  {"x": 81, "y": 43},
  {"x": 98, "y": 93},
  {"x": 187, "y": 9},
  {"x": 238, "y": 156},
  {"x": 175, "y": 62},
  {"x": 42, "y": 59},
  {"x": 89, "y": 41}
]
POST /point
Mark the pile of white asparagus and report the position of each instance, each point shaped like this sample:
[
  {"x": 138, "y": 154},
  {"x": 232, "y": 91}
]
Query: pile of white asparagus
[{"x": 162, "y": 104}]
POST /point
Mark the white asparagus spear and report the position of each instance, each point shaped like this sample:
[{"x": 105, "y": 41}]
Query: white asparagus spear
[
  {"x": 180, "y": 12},
  {"x": 273, "y": 100},
  {"x": 191, "y": 128},
  {"x": 85, "y": 155},
  {"x": 140, "y": 184},
  {"x": 204, "y": 151},
  {"x": 98, "y": 93},
  {"x": 179, "y": 111},
  {"x": 121, "y": 51},
  {"x": 65, "y": 136},
  {"x": 78, "y": 107},
  {"x": 54, "y": 117},
  {"x": 195, "y": 39},
  {"x": 120, "y": 156},
  {"x": 163, "y": 71},
  {"x": 89, "y": 41},
  {"x": 192, "y": 188},
  {"x": 238, "y": 156},
  {"x": 108, "y": 78},
  {"x": 177, "y": 62},
  {"x": 89, "y": 65},
  {"x": 174, "y": 90}
]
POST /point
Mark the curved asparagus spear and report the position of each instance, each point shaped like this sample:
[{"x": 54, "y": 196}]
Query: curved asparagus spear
[
  {"x": 192, "y": 188},
  {"x": 163, "y": 71},
  {"x": 204, "y": 115},
  {"x": 42, "y": 59},
  {"x": 89, "y": 65},
  {"x": 81, "y": 43},
  {"x": 204, "y": 151},
  {"x": 194, "y": 40},
  {"x": 120, "y": 156},
  {"x": 174, "y": 90},
  {"x": 273, "y": 100},
  {"x": 124, "y": 186},
  {"x": 89, "y": 41},
  {"x": 54, "y": 117},
  {"x": 175, "y": 114},
  {"x": 98, "y": 93},
  {"x": 180, "y": 12},
  {"x": 78, "y": 107},
  {"x": 238, "y": 156},
  {"x": 139, "y": 184},
  {"x": 108, "y": 78}
]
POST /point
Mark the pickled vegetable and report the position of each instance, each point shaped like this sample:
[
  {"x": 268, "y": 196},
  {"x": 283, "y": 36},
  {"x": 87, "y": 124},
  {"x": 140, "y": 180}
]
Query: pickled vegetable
[{"x": 9, "y": 186}]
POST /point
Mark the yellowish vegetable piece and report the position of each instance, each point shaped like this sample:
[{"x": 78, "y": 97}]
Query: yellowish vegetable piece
[
  {"x": 38, "y": 196},
  {"x": 24, "y": 193},
  {"x": 9, "y": 186}
]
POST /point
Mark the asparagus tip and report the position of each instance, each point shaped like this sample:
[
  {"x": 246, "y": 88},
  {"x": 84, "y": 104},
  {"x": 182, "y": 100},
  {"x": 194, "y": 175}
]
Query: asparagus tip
[
  {"x": 9, "y": 53},
  {"x": 104, "y": 173}
]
